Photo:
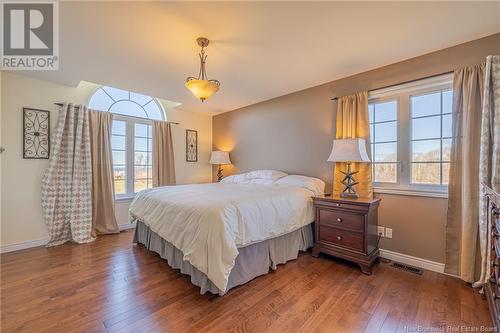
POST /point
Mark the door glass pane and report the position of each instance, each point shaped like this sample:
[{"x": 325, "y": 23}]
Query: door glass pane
[
  {"x": 140, "y": 184},
  {"x": 386, "y": 111},
  {"x": 117, "y": 142},
  {"x": 119, "y": 157},
  {"x": 370, "y": 113},
  {"x": 426, "y": 173},
  {"x": 386, "y": 132},
  {"x": 141, "y": 144},
  {"x": 384, "y": 172},
  {"x": 141, "y": 172},
  {"x": 426, "y": 128},
  {"x": 119, "y": 127},
  {"x": 385, "y": 152},
  {"x": 425, "y": 105},
  {"x": 119, "y": 174},
  {"x": 119, "y": 186},
  {"x": 141, "y": 130},
  {"x": 141, "y": 158},
  {"x": 426, "y": 151}
]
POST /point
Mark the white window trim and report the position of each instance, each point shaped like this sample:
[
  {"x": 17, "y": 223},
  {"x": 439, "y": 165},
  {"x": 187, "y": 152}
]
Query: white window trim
[{"x": 402, "y": 93}]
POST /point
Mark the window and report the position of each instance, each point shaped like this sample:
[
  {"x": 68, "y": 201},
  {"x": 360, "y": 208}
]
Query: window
[
  {"x": 410, "y": 134},
  {"x": 131, "y": 136},
  {"x": 431, "y": 137},
  {"x": 384, "y": 140}
]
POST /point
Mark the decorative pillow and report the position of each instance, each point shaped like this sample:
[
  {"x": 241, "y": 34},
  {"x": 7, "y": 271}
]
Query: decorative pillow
[
  {"x": 266, "y": 174},
  {"x": 317, "y": 186}
]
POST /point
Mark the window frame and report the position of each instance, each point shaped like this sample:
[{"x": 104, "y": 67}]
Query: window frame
[
  {"x": 130, "y": 150},
  {"x": 402, "y": 94},
  {"x": 130, "y": 153}
]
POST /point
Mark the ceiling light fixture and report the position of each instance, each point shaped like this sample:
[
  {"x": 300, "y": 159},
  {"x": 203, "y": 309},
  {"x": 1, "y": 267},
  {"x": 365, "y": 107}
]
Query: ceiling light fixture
[{"x": 201, "y": 86}]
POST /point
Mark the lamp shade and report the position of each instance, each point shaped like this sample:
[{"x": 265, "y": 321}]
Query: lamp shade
[
  {"x": 220, "y": 157},
  {"x": 202, "y": 89},
  {"x": 349, "y": 150}
]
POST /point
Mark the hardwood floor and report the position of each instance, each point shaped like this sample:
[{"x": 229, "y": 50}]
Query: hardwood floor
[{"x": 113, "y": 286}]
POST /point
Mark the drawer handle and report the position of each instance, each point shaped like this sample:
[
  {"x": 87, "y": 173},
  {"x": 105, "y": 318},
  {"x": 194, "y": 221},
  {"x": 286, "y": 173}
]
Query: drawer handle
[
  {"x": 339, "y": 237},
  {"x": 338, "y": 205},
  {"x": 339, "y": 219}
]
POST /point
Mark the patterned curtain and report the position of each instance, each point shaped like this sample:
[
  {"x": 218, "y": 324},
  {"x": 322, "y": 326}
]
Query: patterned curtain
[
  {"x": 489, "y": 161},
  {"x": 352, "y": 122},
  {"x": 67, "y": 183}
]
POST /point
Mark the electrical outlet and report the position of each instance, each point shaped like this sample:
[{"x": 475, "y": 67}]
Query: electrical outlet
[
  {"x": 388, "y": 232},
  {"x": 381, "y": 231}
]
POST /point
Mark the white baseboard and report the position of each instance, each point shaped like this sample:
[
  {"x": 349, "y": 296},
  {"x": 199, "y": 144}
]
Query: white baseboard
[
  {"x": 43, "y": 241},
  {"x": 23, "y": 245},
  {"x": 414, "y": 261}
]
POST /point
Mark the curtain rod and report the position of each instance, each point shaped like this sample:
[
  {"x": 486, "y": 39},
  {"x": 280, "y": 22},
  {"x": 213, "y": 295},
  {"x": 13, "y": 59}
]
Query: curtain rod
[
  {"x": 409, "y": 81},
  {"x": 170, "y": 122}
]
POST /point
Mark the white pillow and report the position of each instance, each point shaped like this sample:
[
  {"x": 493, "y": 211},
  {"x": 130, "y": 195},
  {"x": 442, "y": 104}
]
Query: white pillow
[
  {"x": 236, "y": 179},
  {"x": 243, "y": 179},
  {"x": 260, "y": 181},
  {"x": 317, "y": 186},
  {"x": 266, "y": 174}
]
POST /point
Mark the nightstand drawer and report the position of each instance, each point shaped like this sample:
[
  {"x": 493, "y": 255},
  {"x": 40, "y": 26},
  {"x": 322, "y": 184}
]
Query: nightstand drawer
[
  {"x": 342, "y": 238},
  {"x": 341, "y": 219}
]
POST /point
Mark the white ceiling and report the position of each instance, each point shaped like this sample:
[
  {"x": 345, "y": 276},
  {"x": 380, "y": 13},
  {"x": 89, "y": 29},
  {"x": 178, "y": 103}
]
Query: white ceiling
[{"x": 258, "y": 50}]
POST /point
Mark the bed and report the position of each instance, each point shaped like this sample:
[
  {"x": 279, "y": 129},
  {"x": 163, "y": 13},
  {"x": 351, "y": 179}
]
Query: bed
[{"x": 225, "y": 234}]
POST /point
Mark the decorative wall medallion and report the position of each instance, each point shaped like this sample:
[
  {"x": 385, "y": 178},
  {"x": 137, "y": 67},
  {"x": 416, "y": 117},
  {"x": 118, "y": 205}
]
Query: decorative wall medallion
[
  {"x": 191, "y": 146},
  {"x": 36, "y": 133}
]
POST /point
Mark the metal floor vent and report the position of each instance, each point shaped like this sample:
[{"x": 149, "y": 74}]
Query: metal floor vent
[{"x": 407, "y": 268}]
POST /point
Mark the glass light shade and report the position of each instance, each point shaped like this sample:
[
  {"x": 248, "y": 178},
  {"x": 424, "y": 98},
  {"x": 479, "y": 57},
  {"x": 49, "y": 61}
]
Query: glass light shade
[{"x": 202, "y": 89}]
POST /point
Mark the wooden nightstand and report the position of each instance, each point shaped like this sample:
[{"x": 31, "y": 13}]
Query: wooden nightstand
[{"x": 347, "y": 229}]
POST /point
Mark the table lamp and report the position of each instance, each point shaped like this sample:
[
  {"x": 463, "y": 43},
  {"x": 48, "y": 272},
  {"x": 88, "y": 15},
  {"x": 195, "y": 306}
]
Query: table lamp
[
  {"x": 348, "y": 151},
  {"x": 220, "y": 157}
]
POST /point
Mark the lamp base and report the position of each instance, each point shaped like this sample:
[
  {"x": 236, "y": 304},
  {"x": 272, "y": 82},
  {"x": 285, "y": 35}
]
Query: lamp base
[
  {"x": 220, "y": 174},
  {"x": 349, "y": 195},
  {"x": 349, "y": 182}
]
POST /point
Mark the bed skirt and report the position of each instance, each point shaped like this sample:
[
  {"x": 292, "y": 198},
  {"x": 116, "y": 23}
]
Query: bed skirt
[{"x": 252, "y": 261}]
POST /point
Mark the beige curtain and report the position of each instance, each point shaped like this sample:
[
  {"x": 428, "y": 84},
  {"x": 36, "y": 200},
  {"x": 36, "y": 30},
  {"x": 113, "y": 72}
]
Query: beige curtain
[
  {"x": 103, "y": 205},
  {"x": 67, "y": 182},
  {"x": 353, "y": 122},
  {"x": 489, "y": 161},
  {"x": 463, "y": 188},
  {"x": 163, "y": 154}
]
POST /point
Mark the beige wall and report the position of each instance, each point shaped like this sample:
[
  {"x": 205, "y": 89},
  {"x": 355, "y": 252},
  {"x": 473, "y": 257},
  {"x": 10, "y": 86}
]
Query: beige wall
[
  {"x": 294, "y": 132},
  {"x": 20, "y": 178}
]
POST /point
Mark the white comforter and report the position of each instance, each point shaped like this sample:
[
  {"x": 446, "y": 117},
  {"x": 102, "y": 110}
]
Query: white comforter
[{"x": 208, "y": 222}]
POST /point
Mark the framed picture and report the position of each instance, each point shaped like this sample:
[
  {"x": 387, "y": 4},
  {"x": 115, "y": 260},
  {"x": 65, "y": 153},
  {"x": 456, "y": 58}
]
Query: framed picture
[
  {"x": 36, "y": 133},
  {"x": 191, "y": 146}
]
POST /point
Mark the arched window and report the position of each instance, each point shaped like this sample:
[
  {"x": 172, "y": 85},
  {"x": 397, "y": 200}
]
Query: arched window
[
  {"x": 131, "y": 137},
  {"x": 126, "y": 103}
]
